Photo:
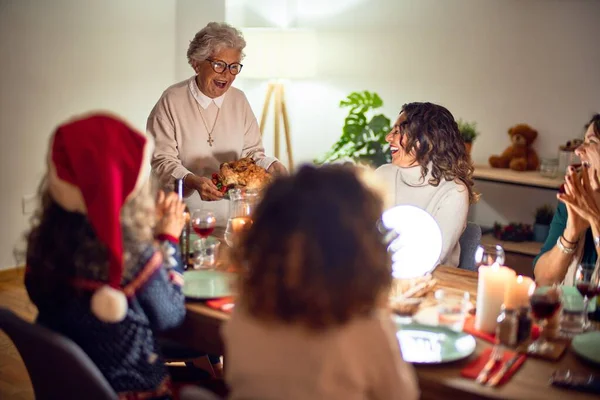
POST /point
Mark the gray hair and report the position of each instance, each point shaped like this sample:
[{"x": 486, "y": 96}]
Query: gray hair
[{"x": 213, "y": 38}]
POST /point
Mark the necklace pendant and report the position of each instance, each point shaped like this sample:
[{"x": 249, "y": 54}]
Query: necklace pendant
[{"x": 210, "y": 141}]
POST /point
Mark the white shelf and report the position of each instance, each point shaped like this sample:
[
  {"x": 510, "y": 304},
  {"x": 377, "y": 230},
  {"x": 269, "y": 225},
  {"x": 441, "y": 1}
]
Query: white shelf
[{"x": 526, "y": 178}]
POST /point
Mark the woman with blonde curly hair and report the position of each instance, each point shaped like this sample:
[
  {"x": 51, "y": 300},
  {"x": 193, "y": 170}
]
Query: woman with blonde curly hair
[
  {"x": 94, "y": 269},
  {"x": 308, "y": 322},
  {"x": 431, "y": 169}
]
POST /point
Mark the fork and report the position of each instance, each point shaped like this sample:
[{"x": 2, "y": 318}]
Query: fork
[{"x": 495, "y": 356}]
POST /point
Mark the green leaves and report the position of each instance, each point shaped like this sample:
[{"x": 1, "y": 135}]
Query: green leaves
[
  {"x": 363, "y": 139},
  {"x": 468, "y": 130}
]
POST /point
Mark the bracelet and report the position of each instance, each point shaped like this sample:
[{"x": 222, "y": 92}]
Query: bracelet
[
  {"x": 597, "y": 241},
  {"x": 568, "y": 241},
  {"x": 562, "y": 248}
]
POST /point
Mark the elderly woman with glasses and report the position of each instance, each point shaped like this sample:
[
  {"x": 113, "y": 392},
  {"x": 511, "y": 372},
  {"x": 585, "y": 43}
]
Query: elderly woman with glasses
[{"x": 203, "y": 121}]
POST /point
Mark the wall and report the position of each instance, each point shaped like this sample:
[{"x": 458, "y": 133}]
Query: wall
[
  {"x": 65, "y": 57},
  {"x": 191, "y": 16},
  {"x": 497, "y": 62}
]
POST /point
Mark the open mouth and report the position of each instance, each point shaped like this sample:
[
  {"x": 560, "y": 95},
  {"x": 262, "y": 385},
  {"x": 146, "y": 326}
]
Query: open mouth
[
  {"x": 393, "y": 150},
  {"x": 586, "y": 163},
  {"x": 220, "y": 84}
]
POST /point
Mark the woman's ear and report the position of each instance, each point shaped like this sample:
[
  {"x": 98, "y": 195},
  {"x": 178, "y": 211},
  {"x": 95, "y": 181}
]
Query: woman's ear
[{"x": 195, "y": 66}]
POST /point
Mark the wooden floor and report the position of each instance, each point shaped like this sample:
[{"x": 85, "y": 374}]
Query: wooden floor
[{"x": 14, "y": 380}]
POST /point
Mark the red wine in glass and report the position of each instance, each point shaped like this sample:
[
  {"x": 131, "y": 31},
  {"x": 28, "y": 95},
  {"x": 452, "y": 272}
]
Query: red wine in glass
[
  {"x": 588, "y": 290},
  {"x": 204, "y": 231},
  {"x": 203, "y": 223},
  {"x": 543, "y": 306}
]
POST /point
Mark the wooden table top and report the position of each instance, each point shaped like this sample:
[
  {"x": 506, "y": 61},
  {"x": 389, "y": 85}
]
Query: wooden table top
[{"x": 201, "y": 330}]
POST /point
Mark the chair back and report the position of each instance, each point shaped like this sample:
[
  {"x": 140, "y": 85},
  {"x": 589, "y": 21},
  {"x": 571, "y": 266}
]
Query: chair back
[
  {"x": 469, "y": 240},
  {"x": 58, "y": 368},
  {"x": 197, "y": 393}
]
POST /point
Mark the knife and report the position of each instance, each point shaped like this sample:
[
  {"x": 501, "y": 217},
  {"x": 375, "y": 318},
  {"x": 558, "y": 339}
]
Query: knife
[
  {"x": 485, "y": 372},
  {"x": 497, "y": 377}
]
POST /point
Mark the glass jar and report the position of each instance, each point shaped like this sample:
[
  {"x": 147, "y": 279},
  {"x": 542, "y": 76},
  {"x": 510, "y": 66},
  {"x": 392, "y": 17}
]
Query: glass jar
[
  {"x": 525, "y": 324},
  {"x": 565, "y": 159},
  {"x": 241, "y": 206},
  {"x": 549, "y": 167},
  {"x": 506, "y": 330}
]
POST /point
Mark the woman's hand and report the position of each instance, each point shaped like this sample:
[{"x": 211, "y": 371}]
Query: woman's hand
[
  {"x": 205, "y": 187},
  {"x": 171, "y": 210},
  {"x": 160, "y": 205},
  {"x": 582, "y": 198},
  {"x": 277, "y": 169}
]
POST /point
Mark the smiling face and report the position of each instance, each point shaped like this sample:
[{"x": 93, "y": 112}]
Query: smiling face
[
  {"x": 589, "y": 151},
  {"x": 397, "y": 141},
  {"x": 215, "y": 84}
]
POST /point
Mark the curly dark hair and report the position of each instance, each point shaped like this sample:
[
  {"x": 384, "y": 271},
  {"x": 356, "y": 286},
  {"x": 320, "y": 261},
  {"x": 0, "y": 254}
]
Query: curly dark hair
[
  {"x": 595, "y": 121},
  {"x": 61, "y": 242},
  {"x": 433, "y": 134},
  {"x": 313, "y": 255}
]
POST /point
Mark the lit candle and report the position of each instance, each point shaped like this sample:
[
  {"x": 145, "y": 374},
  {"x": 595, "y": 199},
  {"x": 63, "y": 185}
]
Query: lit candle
[
  {"x": 517, "y": 292},
  {"x": 491, "y": 288},
  {"x": 241, "y": 224}
]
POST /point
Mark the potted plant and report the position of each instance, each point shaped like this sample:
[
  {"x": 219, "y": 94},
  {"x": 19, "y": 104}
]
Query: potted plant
[
  {"x": 541, "y": 226},
  {"x": 469, "y": 132},
  {"x": 363, "y": 134}
]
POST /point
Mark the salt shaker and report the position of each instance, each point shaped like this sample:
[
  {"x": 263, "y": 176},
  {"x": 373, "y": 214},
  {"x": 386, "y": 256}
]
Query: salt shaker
[{"x": 506, "y": 330}]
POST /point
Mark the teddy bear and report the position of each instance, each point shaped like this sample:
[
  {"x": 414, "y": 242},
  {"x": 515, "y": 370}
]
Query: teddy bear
[{"x": 519, "y": 156}]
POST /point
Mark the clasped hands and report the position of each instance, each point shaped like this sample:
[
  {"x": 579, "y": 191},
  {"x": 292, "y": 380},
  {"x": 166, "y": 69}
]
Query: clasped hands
[{"x": 581, "y": 196}]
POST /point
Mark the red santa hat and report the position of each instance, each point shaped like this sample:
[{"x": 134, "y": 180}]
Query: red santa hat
[{"x": 95, "y": 165}]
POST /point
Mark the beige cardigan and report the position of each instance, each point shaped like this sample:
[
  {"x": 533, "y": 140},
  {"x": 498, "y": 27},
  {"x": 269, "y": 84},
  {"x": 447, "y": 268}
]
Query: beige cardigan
[
  {"x": 181, "y": 138},
  {"x": 360, "y": 360}
]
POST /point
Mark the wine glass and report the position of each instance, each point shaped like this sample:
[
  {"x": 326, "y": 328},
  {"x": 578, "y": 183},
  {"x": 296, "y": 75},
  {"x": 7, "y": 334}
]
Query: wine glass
[
  {"x": 489, "y": 255},
  {"x": 587, "y": 282},
  {"x": 545, "y": 303},
  {"x": 203, "y": 223}
]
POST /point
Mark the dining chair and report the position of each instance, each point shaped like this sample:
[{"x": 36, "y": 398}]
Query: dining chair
[
  {"x": 57, "y": 367},
  {"x": 469, "y": 240},
  {"x": 197, "y": 393}
]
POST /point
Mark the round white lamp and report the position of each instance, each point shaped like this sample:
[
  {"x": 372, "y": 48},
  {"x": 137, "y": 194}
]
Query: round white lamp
[{"x": 416, "y": 249}]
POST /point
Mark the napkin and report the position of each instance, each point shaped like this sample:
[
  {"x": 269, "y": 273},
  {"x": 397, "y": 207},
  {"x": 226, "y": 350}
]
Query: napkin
[
  {"x": 472, "y": 370},
  {"x": 224, "y": 304},
  {"x": 469, "y": 327}
]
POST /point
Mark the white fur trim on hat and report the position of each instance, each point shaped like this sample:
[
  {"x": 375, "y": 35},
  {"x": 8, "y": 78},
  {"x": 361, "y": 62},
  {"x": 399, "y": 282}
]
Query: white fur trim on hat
[{"x": 109, "y": 305}]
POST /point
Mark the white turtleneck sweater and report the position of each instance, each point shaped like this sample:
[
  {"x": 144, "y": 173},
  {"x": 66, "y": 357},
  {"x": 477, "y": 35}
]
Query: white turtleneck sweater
[{"x": 448, "y": 203}]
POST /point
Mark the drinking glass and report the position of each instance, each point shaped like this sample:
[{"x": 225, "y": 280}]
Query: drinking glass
[
  {"x": 241, "y": 206},
  {"x": 545, "y": 303},
  {"x": 203, "y": 223},
  {"x": 453, "y": 306},
  {"x": 587, "y": 282},
  {"x": 489, "y": 255}
]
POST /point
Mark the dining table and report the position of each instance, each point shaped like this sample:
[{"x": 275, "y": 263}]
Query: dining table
[{"x": 202, "y": 325}]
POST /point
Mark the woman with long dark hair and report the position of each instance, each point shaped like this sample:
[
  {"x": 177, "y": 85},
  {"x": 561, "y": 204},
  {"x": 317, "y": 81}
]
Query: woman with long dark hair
[{"x": 431, "y": 169}]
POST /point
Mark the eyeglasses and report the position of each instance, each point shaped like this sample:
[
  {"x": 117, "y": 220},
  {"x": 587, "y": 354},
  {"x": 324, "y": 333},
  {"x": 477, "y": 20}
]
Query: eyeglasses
[{"x": 220, "y": 66}]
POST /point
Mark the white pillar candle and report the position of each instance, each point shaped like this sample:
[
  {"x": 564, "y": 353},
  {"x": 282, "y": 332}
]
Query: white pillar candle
[
  {"x": 491, "y": 288},
  {"x": 517, "y": 292}
]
